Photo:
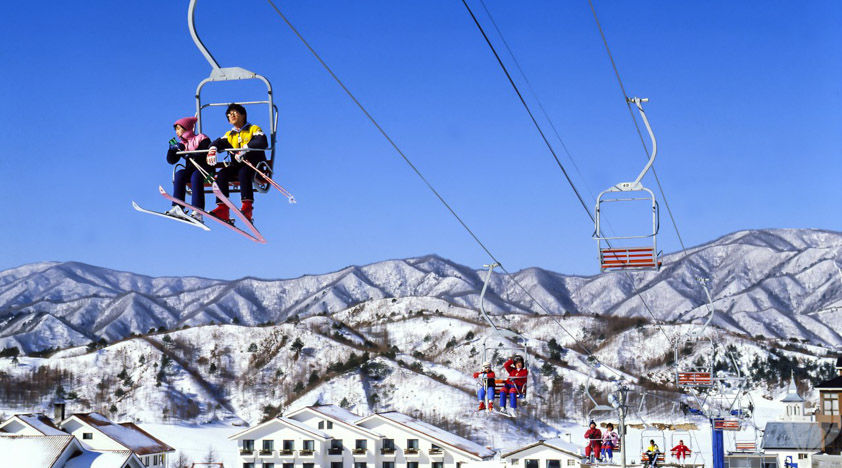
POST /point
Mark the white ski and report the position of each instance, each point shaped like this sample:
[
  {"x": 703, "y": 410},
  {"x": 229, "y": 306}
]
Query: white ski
[{"x": 186, "y": 220}]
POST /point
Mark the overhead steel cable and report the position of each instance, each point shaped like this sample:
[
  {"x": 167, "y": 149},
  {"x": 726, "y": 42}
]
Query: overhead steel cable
[
  {"x": 540, "y": 131},
  {"x": 529, "y": 111},
  {"x": 421, "y": 176},
  {"x": 636, "y": 125},
  {"x": 534, "y": 94}
]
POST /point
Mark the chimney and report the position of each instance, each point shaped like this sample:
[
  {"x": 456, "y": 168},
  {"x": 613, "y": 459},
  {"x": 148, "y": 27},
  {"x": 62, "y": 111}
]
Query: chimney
[{"x": 58, "y": 411}]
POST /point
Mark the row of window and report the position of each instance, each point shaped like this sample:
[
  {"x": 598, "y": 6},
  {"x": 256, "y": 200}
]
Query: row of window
[
  {"x": 157, "y": 460},
  {"x": 335, "y": 445},
  {"x": 339, "y": 465},
  {"x": 551, "y": 463}
]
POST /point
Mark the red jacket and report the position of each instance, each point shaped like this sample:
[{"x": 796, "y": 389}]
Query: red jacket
[
  {"x": 489, "y": 377},
  {"x": 516, "y": 377},
  {"x": 681, "y": 450},
  {"x": 594, "y": 437}
]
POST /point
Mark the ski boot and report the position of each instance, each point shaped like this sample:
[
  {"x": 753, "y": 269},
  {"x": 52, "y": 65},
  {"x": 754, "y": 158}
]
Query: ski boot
[
  {"x": 247, "y": 210},
  {"x": 221, "y": 212}
]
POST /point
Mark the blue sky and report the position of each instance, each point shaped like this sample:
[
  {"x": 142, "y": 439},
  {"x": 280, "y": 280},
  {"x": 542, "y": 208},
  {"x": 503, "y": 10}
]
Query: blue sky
[{"x": 744, "y": 98}]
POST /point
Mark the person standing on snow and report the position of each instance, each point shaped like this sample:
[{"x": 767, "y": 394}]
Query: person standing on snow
[
  {"x": 610, "y": 441},
  {"x": 242, "y": 135},
  {"x": 515, "y": 385},
  {"x": 485, "y": 386},
  {"x": 187, "y": 140},
  {"x": 594, "y": 437}
]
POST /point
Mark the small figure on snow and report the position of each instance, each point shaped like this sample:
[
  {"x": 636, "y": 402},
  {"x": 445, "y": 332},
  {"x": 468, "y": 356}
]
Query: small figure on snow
[
  {"x": 680, "y": 452},
  {"x": 610, "y": 441},
  {"x": 594, "y": 437},
  {"x": 652, "y": 453},
  {"x": 485, "y": 386},
  {"x": 187, "y": 140},
  {"x": 515, "y": 386},
  {"x": 242, "y": 135}
]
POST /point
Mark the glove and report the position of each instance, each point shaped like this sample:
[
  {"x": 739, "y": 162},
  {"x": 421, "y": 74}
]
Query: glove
[
  {"x": 212, "y": 156},
  {"x": 173, "y": 144},
  {"x": 238, "y": 156}
]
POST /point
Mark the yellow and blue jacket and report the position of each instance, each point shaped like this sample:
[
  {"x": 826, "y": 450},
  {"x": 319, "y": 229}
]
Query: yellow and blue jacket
[{"x": 250, "y": 136}]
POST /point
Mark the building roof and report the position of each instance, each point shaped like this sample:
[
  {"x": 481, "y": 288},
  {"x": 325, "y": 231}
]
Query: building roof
[
  {"x": 126, "y": 434},
  {"x": 832, "y": 384},
  {"x": 435, "y": 433},
  {"x": 40, "y": 423},
  {"x": 338, "y": 414},
  {"x": 557, "y": 444},
  {"x": 101, "y": 459},
  {"x": 782, "y": 435},
  {"x": 35, "y": 451},
  {"x": 792, "y": 395},
  {"x": 289, "y": 422}
]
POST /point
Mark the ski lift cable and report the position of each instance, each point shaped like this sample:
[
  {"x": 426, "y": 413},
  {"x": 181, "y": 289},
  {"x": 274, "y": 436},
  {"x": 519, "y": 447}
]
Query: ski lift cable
[
  {"x": 552, "y": 151},
  {"x": 529, "y": 111},
  {"x": 535, "y": 96},
  {"x": 424, "y": 179},
  {"x": 636, "y": 126}
]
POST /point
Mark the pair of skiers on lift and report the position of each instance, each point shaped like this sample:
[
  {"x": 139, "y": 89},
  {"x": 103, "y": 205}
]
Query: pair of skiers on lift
[
  {"x": 242, "y": 135},
  {"x": 513, "y": 388}
]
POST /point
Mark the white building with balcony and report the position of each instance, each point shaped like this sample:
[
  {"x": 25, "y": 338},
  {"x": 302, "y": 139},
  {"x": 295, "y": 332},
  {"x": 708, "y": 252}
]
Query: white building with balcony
[
  {"x": 332, "y": 437},
  {"x": 555, "y": 453}
]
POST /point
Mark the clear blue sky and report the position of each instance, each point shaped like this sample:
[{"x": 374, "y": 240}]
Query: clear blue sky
[{"x": 744, "y": 98}]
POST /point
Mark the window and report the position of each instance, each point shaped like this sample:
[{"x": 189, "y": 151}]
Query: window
[
  {"x": 289, "y": 445},
  {"x": 572, "y": 462},
  {"x": 389, "y": 464},
  {"x": 389, "y": 444},
  {"x": 321, "y": 424},
  {"x": 248, "y": 465},
  {"x": 248, "y": 445},
  {"x": 412, "y": 443},
  {"x": 531, "y": 463},
  {"x": 335, "y": 464},
  {"x": 307, "y": 465},
  {"x": 330, "y": 424},
  {"x": 438, "y": 464},
  {"x": 411, "y": 464},
  {"x": 335, "y": 447},
  {"x": 830, "y": 404},
  {"x": 553, "y": 463},
  {"x": 289, "y": 465},
  {"x": 359, "y": 465},
  {"x": 435, "y": 449},
  {"x": 268, "y": 465},
  {"x": 146, "y": 461},
  {"x": 360, "y": 444},
  {"x": 802, "y": 456},
  {"x": 268, "y": 445},
  {"x": 309, "y": 445},
  {"x": 87, "y": 435}
]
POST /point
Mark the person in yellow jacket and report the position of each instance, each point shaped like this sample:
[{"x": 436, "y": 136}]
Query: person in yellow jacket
[
  {"x": 242, "y": 135},
  {"x": 652, "y": 453}
]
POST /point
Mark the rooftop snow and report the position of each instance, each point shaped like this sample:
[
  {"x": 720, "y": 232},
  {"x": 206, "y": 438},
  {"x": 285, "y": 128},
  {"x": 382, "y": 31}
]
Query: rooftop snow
[
  {"x": 41, "y": 423},
  {"x": 33, "y": 451},
  {"x": 104, "y": 459},
  {"x": 126, "y": 434},
  {"x": 436, "y": 433},
  {"x": 792, "y": 435},
  {"x": 559, "y": 444}
]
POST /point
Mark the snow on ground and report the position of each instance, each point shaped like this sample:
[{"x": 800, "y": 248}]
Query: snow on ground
[{"x": 196, "y": 441}]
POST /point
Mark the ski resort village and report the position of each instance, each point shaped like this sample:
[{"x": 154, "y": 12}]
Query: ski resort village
[{"x": 452, "y": 234}]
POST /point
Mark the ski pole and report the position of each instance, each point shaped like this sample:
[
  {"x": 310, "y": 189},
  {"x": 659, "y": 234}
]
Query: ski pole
[{"x": 283, "y": 191}]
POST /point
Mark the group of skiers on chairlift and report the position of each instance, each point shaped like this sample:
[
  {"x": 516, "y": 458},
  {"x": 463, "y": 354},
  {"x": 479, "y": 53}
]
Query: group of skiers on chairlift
[
  {"x": 513, "y": 388},
  {"x": 242, "y": 135},
  {"x": 600, "y": 448}
]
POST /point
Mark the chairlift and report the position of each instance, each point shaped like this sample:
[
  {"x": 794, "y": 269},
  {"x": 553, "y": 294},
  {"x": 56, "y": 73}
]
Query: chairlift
[
  {"x": 652, "y": 434},
  {"x": 223, "y": 74},
  {"x": 597, "y": 409},
  {"x": 628, "y": 254},
  {"x": 501, "y": 340},
  {"x": 698, "y": 376}
]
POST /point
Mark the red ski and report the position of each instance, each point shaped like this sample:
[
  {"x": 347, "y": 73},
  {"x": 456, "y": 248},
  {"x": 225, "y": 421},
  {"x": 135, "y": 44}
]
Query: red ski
[
  {"x": 256, "y": 234},
  {"x": 257, "y": 238}
]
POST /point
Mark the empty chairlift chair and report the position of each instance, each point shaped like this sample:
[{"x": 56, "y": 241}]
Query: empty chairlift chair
[{"x": 635, "y": 251}]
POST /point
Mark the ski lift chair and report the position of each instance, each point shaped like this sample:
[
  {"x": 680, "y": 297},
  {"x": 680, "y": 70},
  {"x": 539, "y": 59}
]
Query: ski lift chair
[
  {"x": 633, "y": 256},
  {"x": 219, "y": 74},
  {"x": 694, "y": 376},
  {"x": 726, "y": 424},
  {"x": 652, "y": 434},
  {"x": 506, "y": 340}
]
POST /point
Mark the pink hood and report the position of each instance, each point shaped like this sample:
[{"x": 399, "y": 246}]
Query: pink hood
[{"x": 191, "y": 140}]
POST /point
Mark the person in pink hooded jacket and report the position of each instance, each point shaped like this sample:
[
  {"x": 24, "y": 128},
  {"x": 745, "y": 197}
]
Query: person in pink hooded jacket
[{"x": 187, "y": 140}]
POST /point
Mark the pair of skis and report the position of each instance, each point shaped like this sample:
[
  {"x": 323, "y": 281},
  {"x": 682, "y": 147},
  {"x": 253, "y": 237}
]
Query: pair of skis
[{"x": 254, "y": 234}]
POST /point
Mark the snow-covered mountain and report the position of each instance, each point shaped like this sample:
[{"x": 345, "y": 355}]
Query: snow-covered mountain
[{"x": 782, "y": 283}]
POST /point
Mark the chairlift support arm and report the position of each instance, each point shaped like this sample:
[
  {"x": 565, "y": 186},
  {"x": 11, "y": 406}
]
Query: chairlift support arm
[{"x": 638, "y": 101}]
